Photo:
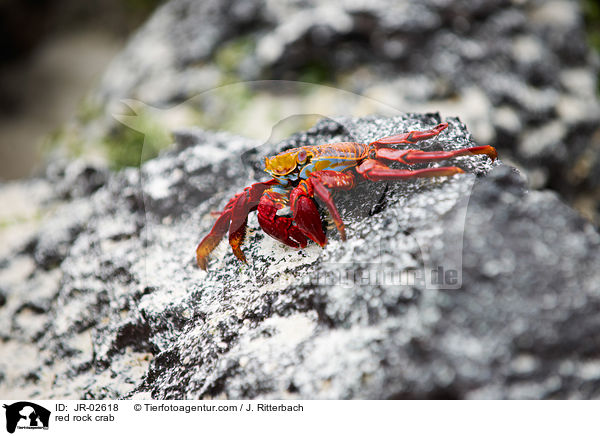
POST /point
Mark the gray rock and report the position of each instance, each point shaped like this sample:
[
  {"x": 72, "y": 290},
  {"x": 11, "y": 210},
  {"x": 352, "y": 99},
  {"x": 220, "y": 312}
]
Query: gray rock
[{"x": 123, "y": 311}]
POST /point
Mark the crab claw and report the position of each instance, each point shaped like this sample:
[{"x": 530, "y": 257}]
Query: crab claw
[
  {"x": 485, "y": 149},
  {"x": 210, "y": 241},
  {"x": 234, "y": 218},
  {"x": 279, "y": 226},
  {"x": 306, "y": 215}
]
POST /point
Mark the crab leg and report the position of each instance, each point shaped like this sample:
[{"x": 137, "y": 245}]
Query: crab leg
[
  {"x": 375, "y": 171},
  {"x": 303, "y": 206},
  {"x": 233, "y": 218},
  {"x": 410, "y": 157},
  {"x": 410, "y": 137}
]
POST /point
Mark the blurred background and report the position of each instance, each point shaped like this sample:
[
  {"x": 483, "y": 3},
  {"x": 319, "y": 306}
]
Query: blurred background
[
  {"x": 522, "y": 74},
  {"x": 52, "y": 52}
]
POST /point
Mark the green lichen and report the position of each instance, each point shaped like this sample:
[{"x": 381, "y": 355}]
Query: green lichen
[
  {"x": 316, "y": 71},
  {"x": 10, "y": 221},
  {"x": 143, "y": 5},
  {"x": 230, "y": 55},
  {"x": 72, "y": 138},
  {"x": 237, "y": 99},
  {"x": 126, "y": 147},
  {"x": 66, "y": 138},
  {"x": 88, "y": 111},
  {"x": 591, "y": 13}
]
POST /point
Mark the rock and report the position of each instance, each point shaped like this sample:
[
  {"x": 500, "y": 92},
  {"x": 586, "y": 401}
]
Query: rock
[{"x": 462, "y": 287}]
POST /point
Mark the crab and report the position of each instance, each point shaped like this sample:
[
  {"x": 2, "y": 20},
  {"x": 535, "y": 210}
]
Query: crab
[{"x": 286, "y": 205}]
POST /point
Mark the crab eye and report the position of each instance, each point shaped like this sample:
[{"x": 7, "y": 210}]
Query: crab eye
[{"x": 301, "y": 156}]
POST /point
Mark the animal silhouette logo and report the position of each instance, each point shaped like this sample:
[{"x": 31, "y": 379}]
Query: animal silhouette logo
[{"x": 26, "y": 415}]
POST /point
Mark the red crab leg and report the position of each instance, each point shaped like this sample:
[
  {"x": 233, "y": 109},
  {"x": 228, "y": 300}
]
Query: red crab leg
[
  {"x": 277, "y": 226},
  {"x": 410, "y": 157},
  {"x": 303, "y": 206},
  {"x": 373, "y": 170},
  {"x": 233, "y": 217},
  {"x": 410, "y": 137}
]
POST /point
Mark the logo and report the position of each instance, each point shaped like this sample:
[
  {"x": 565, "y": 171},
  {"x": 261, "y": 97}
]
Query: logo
[{"x": 26, "y": 415}]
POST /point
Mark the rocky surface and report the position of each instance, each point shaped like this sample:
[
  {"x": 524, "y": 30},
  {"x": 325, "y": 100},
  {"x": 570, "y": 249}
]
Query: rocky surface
[
  {"x": 518, "y": 73},
  {"x": 100, "y": 296}
]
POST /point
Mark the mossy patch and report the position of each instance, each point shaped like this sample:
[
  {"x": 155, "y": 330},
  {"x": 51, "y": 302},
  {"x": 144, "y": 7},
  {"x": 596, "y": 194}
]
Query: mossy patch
[
  {"x": 591, "y": 13},
  {"x": 230, "y": 55},
  {"x": 126, "y": 147},
  {"x": 317, "y": 71},
  {"x": 66, "y": 138}
]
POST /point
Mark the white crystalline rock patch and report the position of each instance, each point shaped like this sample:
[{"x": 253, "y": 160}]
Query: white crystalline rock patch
[
  {"x": 71, "y": 312},
  {"x": 589, "y": 370},
  {"x": 141, "y": 396},
  {"x": 284, "y": 333},
  {"x": 531, "y": 98},
  {"x": 527, "y": 49},
  {"x": 575, "y": 110},
  {"x": 159, "y": 300},
  {"x": 473, "y": 105},
  {"x": 161, "y": 271},
  {"x": 476, "y": 108},
  {"x": 13, "y": 236},
  {"x": 537, "y": 141},
  {"x": 507, "y": 119},
  {"x": 444, "y": 203},
  {"x": 470, "y": 348},
  {"x": 558, "y": 13},
  {"x": 271, "y": 46},
  {"x": 20, "y": 268},
  {"x": 21, "y": 220},
  {"x": 24, "y": 199},
  {"x": 225, "y": 146},
  {"x": 391, "y": 18},
  {"x": 17, "y": 359},
  {"x": 210, "y": 154},
  {"x": 425, "y": 206},
  {"x": 30, "y": 322},
  {"x": 322, "y": 359},
  {"x": 159, "y": 177},
  {"x": 216, "y": 315},
  {"x": 131, "y": 367},
  {"x": 82, "y": 343},
  {"x": 282, "y": 257},
  {"x": 158, "y": 187},
  {"x": 579, "y": 81},
  {"x": 114, "y": 226},
  {"x": 524, "y": 364}
]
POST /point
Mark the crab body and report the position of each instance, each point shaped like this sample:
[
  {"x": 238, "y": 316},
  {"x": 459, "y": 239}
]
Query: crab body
[
  {"x": 285, "y": 204},
  {"x": 300, "y": 163}
]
